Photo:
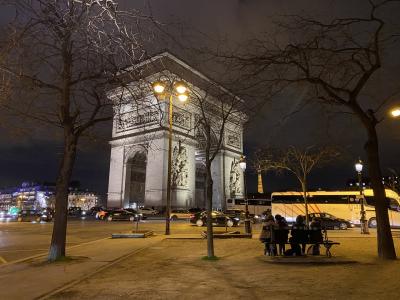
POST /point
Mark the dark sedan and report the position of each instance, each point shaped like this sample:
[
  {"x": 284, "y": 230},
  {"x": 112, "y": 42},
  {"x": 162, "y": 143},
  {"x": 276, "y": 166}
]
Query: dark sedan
[
  {"x": 136, "y": 213},
  {"x": 218, "y": 219},
  {"x": 121, "y": 215},
  {"x": 238, "y": 213},
  {"x": 329, "y": 221}
]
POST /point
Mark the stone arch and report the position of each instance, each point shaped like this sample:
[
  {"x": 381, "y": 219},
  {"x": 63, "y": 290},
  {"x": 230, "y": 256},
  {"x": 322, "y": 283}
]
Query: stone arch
[{"x": 135, "y": 179}]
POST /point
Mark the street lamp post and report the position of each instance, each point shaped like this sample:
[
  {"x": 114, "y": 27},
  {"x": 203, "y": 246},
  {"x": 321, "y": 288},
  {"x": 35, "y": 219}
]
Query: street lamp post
[
  {"x": 363, "y": 221},
  {"x": 170, "y": 89},
  {"x": 242, "y": 164}
]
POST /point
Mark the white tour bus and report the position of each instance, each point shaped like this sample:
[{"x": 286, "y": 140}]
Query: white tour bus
[
  {"x": 341, "y": 204},
  {"x": 256, "y": 206}
]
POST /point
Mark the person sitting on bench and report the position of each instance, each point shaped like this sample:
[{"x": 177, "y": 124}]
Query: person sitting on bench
[
  {"x": 299, "y": 236},
  {"x": 267, "y": 235},
  {"x": 281, "y": 234},
  {"x": 316, "y": 236}
]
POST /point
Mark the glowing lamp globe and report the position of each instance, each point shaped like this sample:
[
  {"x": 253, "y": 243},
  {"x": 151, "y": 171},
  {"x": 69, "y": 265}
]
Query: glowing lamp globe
[
  {"x": 183, "y": 97},
  {"x": 158, "y": 87},
  {"x": 359, "y": 166},
  {"x": 242, "y": 163},
  {"x": 180, "y": 88},
  {"x": 395, "y": 112}
]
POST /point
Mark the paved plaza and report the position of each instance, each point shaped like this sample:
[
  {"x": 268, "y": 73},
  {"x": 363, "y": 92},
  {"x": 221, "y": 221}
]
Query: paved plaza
[
  {"x": 173, "y": 269},
  {"x": 163, "y": 267}
]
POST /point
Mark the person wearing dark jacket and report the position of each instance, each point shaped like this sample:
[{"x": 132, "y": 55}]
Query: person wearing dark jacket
[
  {"x": 267, "y": 235},
  {"x": 316, "y": 236},
  {"x": 281, "y": 234},
  {"x": 299, "y": 236}
]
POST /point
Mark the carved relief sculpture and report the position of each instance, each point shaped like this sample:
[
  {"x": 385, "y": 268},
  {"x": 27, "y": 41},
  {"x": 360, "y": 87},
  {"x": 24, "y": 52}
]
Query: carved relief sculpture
[
  {"x": 179, "y": 166},
  {"x": 234, "y": 179}
]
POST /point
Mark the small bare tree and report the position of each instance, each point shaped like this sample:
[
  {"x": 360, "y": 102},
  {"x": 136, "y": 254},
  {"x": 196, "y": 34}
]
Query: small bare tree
[
  {"x": 67, "y": 55},
  {"x": 336, "y": 60},
  {"x": 297, "y": 161}
]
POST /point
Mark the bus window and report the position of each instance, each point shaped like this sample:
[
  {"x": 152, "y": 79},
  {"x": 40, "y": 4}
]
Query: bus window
[
  {"x": 394, "y": 204},
  {"x": 230, "y": 201}
]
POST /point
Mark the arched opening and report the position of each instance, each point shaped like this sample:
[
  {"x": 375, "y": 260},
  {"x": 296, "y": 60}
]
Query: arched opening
[
  {"x": 135, "y": 180},
  {"x": 200, "y": 195}
]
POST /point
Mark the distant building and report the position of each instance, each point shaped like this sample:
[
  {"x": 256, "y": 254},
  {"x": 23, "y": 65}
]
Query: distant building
[
  {"x": 82, "y": 199},
  {"x": 32, "y": 195}
]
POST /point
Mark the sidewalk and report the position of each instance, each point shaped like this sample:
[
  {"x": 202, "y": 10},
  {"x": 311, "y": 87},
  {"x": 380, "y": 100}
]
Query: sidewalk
[{"x": 37, "y": 278}]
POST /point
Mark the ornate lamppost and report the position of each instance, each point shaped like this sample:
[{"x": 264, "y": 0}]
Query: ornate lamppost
[
  {"x": 170, "y": 89},
  {"x": 247, "y": 225},
  {"x": 363, "y": 221}
]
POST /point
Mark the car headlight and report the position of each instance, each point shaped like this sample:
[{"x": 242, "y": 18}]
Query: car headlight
[
  {"x": 237, "y": 219},
  {"x": 44, "y": 216},
  {"x": 256, "y": 217},
  {"x": 84, "y": 213}
]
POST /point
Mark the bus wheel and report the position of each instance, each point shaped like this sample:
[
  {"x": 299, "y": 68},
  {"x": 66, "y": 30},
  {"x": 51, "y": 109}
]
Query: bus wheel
[
  {"x": 199, "y": 223},
  {"x": 372, "y": 223},
  {"x": 343, "y": 226}
]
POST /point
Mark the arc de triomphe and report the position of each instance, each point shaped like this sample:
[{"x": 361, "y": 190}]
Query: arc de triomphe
[{"x": 139, "y": 148}]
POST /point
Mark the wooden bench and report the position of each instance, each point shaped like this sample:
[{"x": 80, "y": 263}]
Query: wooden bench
[{"x": 307, "y": 238}]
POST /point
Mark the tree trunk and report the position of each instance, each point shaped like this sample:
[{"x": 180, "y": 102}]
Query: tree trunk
[
  {"x": 58, "y": 239},
  {"x": 384, "y": 234},
  {"x": 304, "y": 190},
  {"x": 209, "y": 183}
]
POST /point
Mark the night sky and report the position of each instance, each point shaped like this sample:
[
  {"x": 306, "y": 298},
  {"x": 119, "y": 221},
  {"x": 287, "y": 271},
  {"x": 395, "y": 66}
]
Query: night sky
[{"x": 31, "y": 153}]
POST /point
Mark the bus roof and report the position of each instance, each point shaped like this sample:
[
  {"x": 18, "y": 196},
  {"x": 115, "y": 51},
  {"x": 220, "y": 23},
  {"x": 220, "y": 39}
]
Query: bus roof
[{"x": 367, "y": 192}]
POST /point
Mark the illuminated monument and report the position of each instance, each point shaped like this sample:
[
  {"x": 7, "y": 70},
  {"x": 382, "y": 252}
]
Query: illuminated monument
[{"x": 139, "y": 146}]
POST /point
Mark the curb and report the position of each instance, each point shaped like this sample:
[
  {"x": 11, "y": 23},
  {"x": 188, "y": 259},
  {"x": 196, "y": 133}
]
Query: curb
[{"x": 98, "y": 270}]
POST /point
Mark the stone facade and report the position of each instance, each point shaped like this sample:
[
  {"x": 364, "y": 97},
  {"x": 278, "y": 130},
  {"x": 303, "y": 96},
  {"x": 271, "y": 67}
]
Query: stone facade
[{"x": 139, "y": 151}]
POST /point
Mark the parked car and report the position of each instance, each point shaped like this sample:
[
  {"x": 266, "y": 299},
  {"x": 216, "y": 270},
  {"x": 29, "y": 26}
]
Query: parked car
[
  {"x": 94, "y": 210},
  {"x": 179, "y": 214},
  {"x": 218, "y": 219},
  {"x": 329, "y": 221},
  {"x": 121, "y": 215},
  {"x": 194, "y": 210},
  {"x": 148, "y": 211},
  {"x": 29, "y": 215},
  {"x": 47, "y": 214},
  {"x": 238, "y": 213},
  {"x": 74, "y": 211},
  {"x": 136, "y": 213}
]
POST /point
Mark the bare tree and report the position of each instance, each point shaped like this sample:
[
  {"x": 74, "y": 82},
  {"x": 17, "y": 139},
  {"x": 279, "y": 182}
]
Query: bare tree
[
  {"x": 218, "y": 109},
  {"x": 297, "y": 161},
  {"x": 336, "y": 61},
  {"x": 67, "y": 55}
]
